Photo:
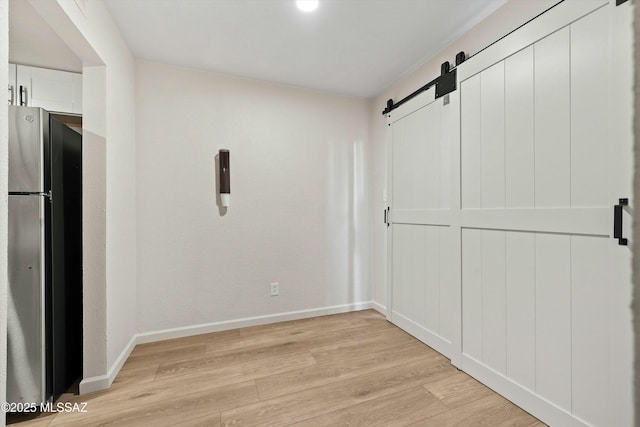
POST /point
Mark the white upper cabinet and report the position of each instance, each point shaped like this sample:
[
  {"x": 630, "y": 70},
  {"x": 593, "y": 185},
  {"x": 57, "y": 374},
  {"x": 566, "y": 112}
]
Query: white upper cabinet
[
  {"x": 12, "y": 84},
  {"x": 53, "y": 90}
]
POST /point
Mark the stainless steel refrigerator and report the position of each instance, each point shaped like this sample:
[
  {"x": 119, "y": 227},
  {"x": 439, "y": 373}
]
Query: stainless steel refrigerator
[{"x": 44, "y": 334}]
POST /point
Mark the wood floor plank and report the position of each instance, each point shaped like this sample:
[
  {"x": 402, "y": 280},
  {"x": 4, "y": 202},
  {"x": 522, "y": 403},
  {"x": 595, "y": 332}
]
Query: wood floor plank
[
  {"x": 43, "y": 420},
  {"x": 283, "y": 341},
  {"x": 320, "y": 400},
  {"x": 347, "y": 369},
  {"x": 339, "y": 370},
  {"x": 176, "y": 343},
  {"x": 173, "y": 386},
  {"x": 208, "y": 363},
  {"x": 261, "y": 352},
  {"x": 375, "y": 322},
  {"x": 206, "y": 421},
  {"x": 326, "y": 323},
  {"x": 373, "y": 328},
  {"x": 493, "y": 410},
  {"x": 166, "y": 410},
  {"x": 276, "y": 337},
  {"x": 380, "y": 341},
  {"x": 395, "y": 410},
  {"x": 140, "y": 375},
  {"x": 252, "y": 369},
  {"x": 137, "y": 360},
  {"x": 458, "y": 390}
]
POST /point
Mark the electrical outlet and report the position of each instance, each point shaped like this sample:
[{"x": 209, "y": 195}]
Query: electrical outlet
[{"x": 275, "y": 289}]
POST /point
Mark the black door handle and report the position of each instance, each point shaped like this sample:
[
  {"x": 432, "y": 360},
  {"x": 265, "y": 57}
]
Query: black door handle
[
  {"x": 23, "y": 96},
  {"x": 617, "y": 221}
]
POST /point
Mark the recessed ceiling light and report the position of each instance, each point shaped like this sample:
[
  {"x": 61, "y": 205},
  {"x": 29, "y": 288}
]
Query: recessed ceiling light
[{"x": 307, "y": 5}]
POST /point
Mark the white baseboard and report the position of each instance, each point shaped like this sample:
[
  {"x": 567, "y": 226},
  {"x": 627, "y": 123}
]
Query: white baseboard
[
  {"x": 542, "y": 409},
  {"x": 206, "y": 328},
  {"x": 379, "y": 307},
  {"x": 103, "y": 382},
  {"x": 436, "y": 342}
]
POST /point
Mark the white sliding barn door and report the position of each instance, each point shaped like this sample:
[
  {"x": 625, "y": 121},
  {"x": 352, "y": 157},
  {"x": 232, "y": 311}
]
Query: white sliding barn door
[
  {"x": 424, "y": 292},
  {"x": 545, "y": 154},
  {"x": 500, "y": 246}
]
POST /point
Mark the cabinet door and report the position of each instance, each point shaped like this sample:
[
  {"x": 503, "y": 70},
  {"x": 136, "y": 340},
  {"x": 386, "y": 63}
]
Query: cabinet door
[
  {"x": 12, "y": 84},
  {"x": 53, "y": 90}
]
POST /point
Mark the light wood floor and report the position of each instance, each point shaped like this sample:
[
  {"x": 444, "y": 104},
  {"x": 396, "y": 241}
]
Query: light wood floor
[{"x": 353, "y": 369}]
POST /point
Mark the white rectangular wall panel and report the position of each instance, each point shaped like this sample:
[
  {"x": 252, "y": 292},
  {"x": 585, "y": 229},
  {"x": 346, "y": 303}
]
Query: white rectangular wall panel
[
  {"x": 407, "y": 156},
  {"x": 449, "y": 136},
  {"x": 471, "y": 143},
  {"x": 553, "y": 318},
  {"x": 472, "y": 293},
  {"x": 430, "y": 305},
  {"x": 589, "y": 135},
  {"x": 492, "y": 137},
  {"x": 519, "y": 130},
  {"x": 589, "y": 329},
  {"x": 449, "y": 286},
  {"x": 432, "y": 161},
  {"x": 520, "y": 277},
  {"x": 408, "y": 266},
  {"x": 552, "y": 121},
  {"x": 493, "y": 300}
]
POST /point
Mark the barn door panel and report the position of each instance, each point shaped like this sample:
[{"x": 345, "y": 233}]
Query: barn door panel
[
  {"x": 536, "y": 216},
  {"x": 424, "y": 290}
]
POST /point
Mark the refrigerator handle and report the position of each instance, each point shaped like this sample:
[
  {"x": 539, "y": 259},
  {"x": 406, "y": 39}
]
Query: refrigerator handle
[
  {"x": 23, "y": 96},
  {"x": 11, "y": 97}
]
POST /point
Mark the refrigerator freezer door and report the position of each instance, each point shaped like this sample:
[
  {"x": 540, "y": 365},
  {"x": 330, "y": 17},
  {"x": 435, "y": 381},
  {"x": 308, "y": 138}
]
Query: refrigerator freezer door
[
  {"x": 26, "y": 149},
  {"x": 66, "y": 255},
  {"x": 25, "y": 323}
]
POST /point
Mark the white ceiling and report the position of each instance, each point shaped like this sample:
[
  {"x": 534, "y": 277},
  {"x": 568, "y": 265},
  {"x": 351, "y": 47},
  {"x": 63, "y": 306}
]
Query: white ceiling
[
  {"x": 33, "y": 42},
  {"x": 352, "y": 47}
]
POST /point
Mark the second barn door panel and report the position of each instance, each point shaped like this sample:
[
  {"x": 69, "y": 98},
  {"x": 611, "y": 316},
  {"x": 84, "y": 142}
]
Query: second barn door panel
[{"x": 425, "y": 289}]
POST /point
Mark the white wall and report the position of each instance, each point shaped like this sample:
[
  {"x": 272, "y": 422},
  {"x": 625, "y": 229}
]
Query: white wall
[
  {"x": 4, "y": 136},
  {"x": 299, "y": 211},
  {"x": 102, "y": 34},
  {"x": 508, "y": 17},
  {"x": 110, "y": 314},
  {"x": 94, "y": 233},
  {"x": 636, "y": 223}
]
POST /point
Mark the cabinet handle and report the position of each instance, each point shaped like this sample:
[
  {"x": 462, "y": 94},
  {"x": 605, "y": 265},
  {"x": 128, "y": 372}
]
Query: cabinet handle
[
  {"x": 11, "y": 95},
  {"x": 617, "y": 221},
  {"x": 23, "y": 96}
]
